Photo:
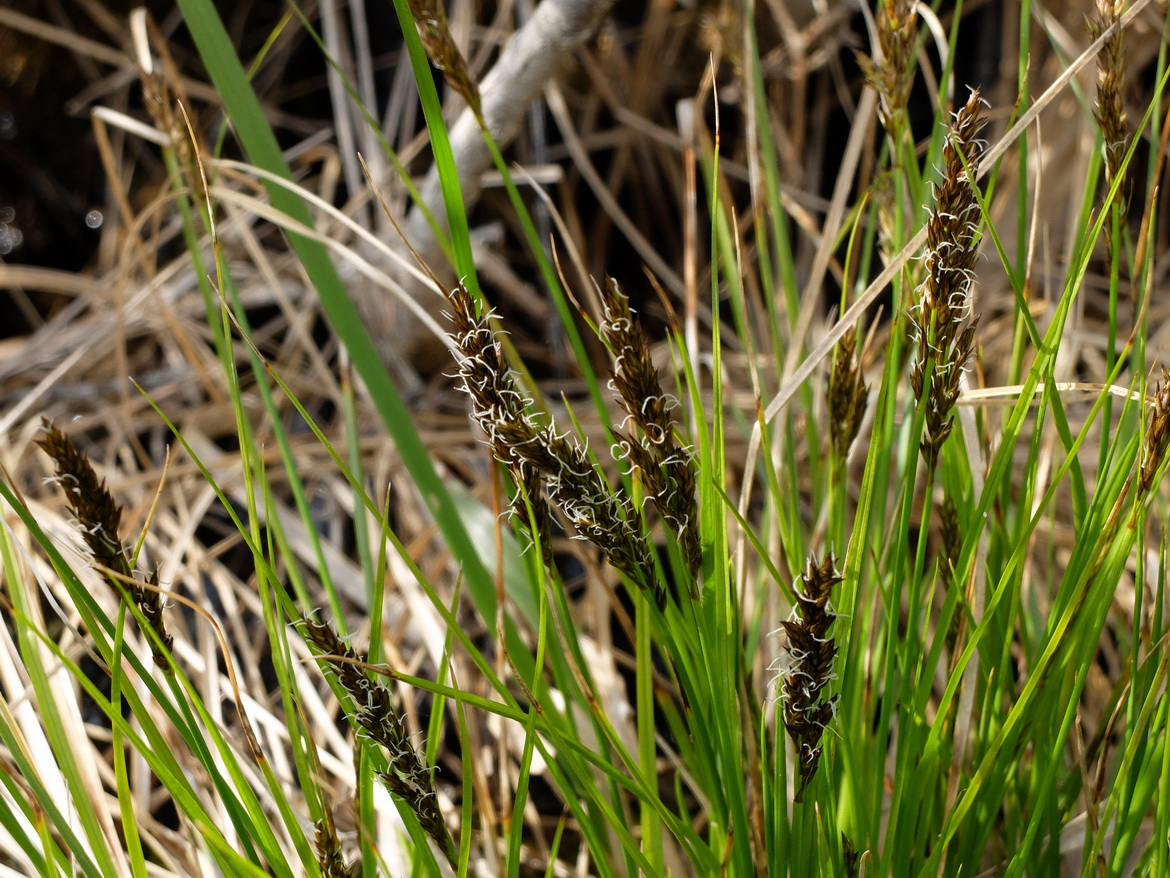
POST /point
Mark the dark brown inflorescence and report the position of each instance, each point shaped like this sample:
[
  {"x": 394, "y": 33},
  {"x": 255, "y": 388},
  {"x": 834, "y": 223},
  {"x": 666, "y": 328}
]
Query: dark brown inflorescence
[
  {"x": 811, "y": 650},
  {"x": 848, "y": 395},
  {"x": 665, "y": 465},
  {"x": 945, "y": 333},
  {"x": 952, "y": 536},
  {"x": 1157, "y": 435},
  {"x": 1110, "y": 112},
  {"x": 328, "y": 847},
  {"x": 892, "y": 75},
  {"x": 375, "y": 716},
  {"x": 99, "y": 519},
  {"x": 538, "y": 456},
  {"x": 430, "y": 17}
]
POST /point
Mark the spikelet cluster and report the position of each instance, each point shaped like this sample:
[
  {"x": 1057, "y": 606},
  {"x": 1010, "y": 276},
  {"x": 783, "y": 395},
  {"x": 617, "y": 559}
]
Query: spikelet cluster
[
  {"x": 665, "y": 465},
  {"x": 1157, "y": 437},
  {"x": 430, "y": 17},
  {"x": 951, "y": 539},
  {"x": 328, "y": 848},
  {"x": 811, "y": 652},
  {"x": 164, "y": 97},
  {"x": 99, "y": 519},
  {"x": 952, "y": 536},
  {"x": 1110, "y": 112},
  {"x": 892, "y": 75},
  {"x": 376, "y": 717},
  {"x": 539, "y": 523},
  {"x": 848, "y": 395},
  {"x": 944, "y": 333},
  {"x": 541, "y": 459},
  {"x": 852, "y": 856}
]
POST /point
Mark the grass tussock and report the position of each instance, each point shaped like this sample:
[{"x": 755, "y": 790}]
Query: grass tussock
[{"x": 782, "y": 493}]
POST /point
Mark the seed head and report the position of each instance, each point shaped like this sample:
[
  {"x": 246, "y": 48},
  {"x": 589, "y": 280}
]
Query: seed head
[
  {"x": 99, "y": 518},
  {"x": 572, "y": 482},
  {"x": 375, "y": 716},
  {"x": 430, "y": 17},
  {"x": 811, "y": 650},
  {"x": 1110, "y": 112},
  {"x": 666, "y": 466},
  {"x": 328, "y": 846},
  {"x": 945, "y": 335},
  {"x": 847, "y": 395},
  {"x": 1157, "y": 435},
  {"x": 892, "y": 75}
]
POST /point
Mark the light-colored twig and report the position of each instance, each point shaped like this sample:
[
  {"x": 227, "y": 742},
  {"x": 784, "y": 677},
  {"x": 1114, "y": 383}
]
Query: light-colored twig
[{"x": 529, "y": 60}]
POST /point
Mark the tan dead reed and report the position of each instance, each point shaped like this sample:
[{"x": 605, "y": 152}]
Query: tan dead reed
[
  {"x": 945, "y": 334},
  {"x": 537, "y": 456},
  {"x": 811, "y": 652},
  {"x": 663, "y": 462},
  {"x": 99, "y": 518},
  {"x": 375, "y": 717}
]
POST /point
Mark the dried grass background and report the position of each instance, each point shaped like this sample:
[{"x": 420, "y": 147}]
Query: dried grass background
[{"x": 614, "y": 149}]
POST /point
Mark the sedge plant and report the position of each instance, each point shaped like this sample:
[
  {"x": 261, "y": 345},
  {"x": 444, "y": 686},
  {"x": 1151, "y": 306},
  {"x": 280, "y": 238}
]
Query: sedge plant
[{"x": 771, "y": 584}]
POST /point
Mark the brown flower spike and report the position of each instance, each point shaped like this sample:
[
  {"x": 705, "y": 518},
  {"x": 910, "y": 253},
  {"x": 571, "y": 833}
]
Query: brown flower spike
[
  {"x": 892, "y": 75},
  {"x": 945, "y": 336},
  {"x": 430, "y": 17},
  {"x": 1110, "y": 113},
  {"x": 99, "y": 519},
  {"x": 374, "y": 714},
  {"x": 666, "y": 465},
  {"x": 537, "y": 454},
  {"x": 811, "y": 650},
  {"x": 1157, "y": 435},
  {"x": 328, "y": 848},
  {"x": 848, "y": 395}
]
